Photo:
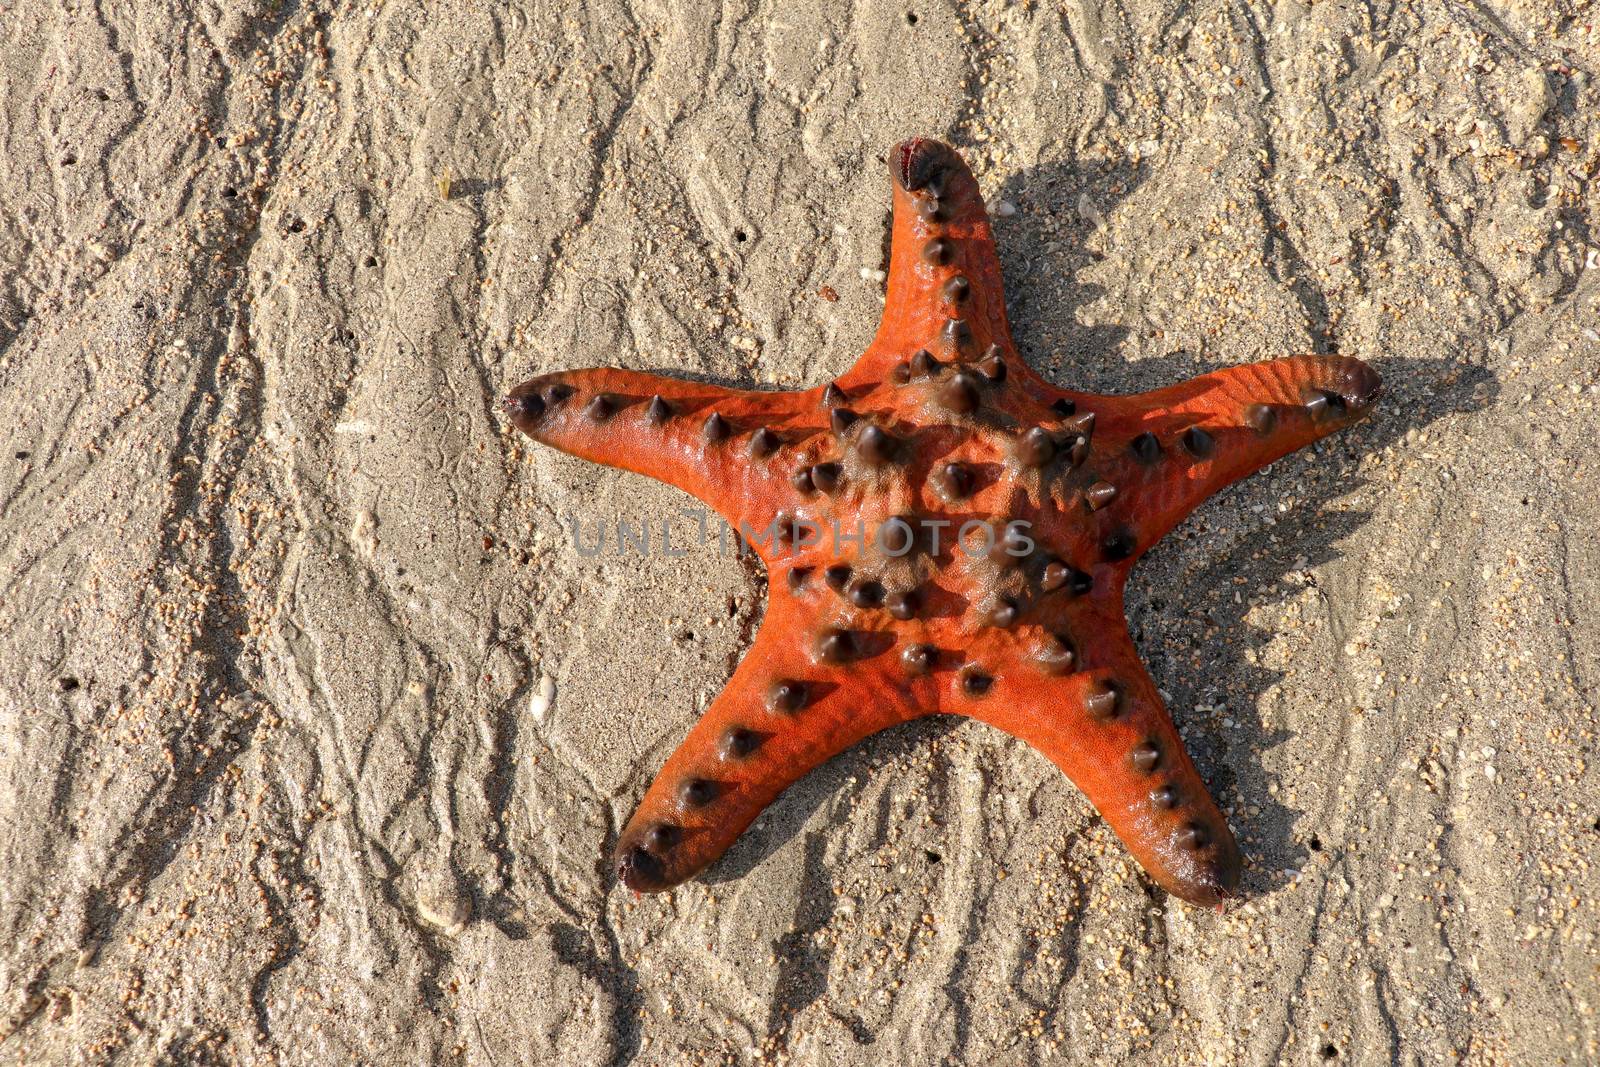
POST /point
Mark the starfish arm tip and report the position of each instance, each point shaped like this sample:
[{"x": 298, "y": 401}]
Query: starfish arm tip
[
  {"x": 637, "y": 869},
  {"x": 1209, "y": 879}
]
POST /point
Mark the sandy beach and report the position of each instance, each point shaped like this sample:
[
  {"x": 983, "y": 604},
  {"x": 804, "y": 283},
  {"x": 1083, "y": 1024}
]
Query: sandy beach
[{"x": 316, "y": 727}]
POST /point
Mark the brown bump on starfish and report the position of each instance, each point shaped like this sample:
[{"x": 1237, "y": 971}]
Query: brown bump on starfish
[
  {"x": 993, "y": 365},
  {"x": 956, "y": 335},
  {"x": 663, "y": 836},
  {"x": 1145, "y": 757},
  {"x": 875, "y": 446},
  {"x": 975, "y": 682},
  {"x": 960, "y": 393},
  {"x": 1198, "y": 443},
  {"x": 1166, "y": 797},
  {"x": 524, "y": 407},
  {"x": 825, "y": 476},
  {"x": 763, "y": 443},
  {"x": 1056, "y": 654},
  {"x": 924, "y": 165},
  {"x": 784, "y": 525},
  {"x": 841, "y": 420},
  {"x": 1261, "y": 418},
  {"x": 1099, "y": 495},
  {"x": 803, "y": 481},
  {"x": 1004, "y": 613},
  {"x": 955, "y": 481},
  {"x": 798, "y": 577},
  {"x": 1012, "y": 546},
  {"x": 936, "y": 252},
  {"x": 1060, "y": 575},
  {"x": 1118, "y": 545},
  {"x": 919, "y": 659},
  {"x": 923, "y": 365},
  {"x": 1146, "y": 448},
  {"x": 716, "y": 428},
  {"x": 867, "y": 594},
  {"x": 1035, "y": 448},
  {"x": 901, "y": 535},
  {"x": 787, "y": 696},
  {"x": 601, "y": 408},
  {"x": 957, "y": 289},
  {"x": 658, "y": 411},
  {"x": 697, "y": 792},
  {"x": 641, "y": 871},
  {"x": 739, "y": 743},
  {"x": 836, "y": 647},
  {"x": 837, "y": 576},
  {"x": 904, "y": 604},
  {"x": 1103, "y": 700},
  {"x": 1324, "y": 404},
  {"x": 1044, "y": 698},
  {"x": 900, "y": 375}
]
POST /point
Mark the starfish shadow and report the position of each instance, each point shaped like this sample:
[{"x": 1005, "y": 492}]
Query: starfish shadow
[{"x": 1040, "y": 264}]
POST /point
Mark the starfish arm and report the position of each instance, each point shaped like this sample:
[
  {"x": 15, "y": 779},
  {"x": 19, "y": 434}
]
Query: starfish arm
[
  {"x": 1166, "y": 451},
  {"x": 1105, "y": 725},
  {"x": 945, "y": 294},
  {"x": 786, "y": 710},
  {"x": 728, "y": 447}
]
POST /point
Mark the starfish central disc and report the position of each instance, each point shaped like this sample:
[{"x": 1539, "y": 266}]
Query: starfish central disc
[{"x": 946, "y": 532}]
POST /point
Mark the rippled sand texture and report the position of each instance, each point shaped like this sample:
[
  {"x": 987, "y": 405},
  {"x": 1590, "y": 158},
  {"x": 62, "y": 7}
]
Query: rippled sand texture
[{"x": 314, "y": 727}]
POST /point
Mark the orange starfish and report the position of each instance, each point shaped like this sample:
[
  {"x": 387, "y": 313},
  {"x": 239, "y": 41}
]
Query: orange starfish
[{"x": 950, "y": 533}]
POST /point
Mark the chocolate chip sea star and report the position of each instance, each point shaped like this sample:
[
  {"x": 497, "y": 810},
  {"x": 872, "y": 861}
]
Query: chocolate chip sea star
[{"x": 998, "y": 592}]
